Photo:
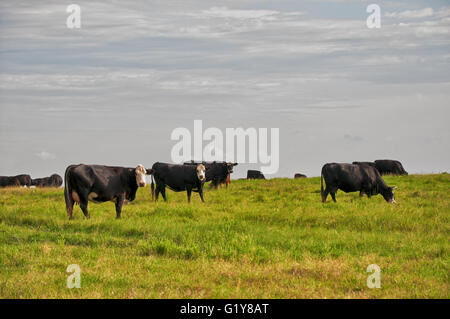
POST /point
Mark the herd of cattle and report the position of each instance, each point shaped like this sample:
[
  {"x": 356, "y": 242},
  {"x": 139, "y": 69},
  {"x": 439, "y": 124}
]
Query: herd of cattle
[
  {"x": 99, "y": 183},
  {"x": 25, "y": 180}
]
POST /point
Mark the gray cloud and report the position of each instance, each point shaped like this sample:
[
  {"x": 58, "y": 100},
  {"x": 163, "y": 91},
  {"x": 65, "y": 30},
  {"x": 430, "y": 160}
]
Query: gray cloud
[{"x": 112, "y": 91}]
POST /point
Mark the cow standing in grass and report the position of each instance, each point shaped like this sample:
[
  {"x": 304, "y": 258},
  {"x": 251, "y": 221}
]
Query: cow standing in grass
[
  {"x": 98, "y": 184},
  {"x": 254, "y": 174},
  {"x": 15, "y": 181},
  {"x": 178, "y": 178},
  {"x": 216, "y": 172},
  {"x": 352, "y": 178},
  {"x": 53, "y": 181},
  {"x": 386, "y": 167}
]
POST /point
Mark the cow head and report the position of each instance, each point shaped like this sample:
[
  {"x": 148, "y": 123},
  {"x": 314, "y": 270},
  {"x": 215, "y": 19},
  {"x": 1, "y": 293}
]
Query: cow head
[
  {"x": 201, "y": 172},
  {"x": 140, "y": 173},
  {"x": 388, "y": 194},
  {"x": 230, "y": 167}
]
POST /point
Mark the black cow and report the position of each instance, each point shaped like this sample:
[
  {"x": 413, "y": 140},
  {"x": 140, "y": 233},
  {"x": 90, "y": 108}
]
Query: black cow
[
  {"x": 298, "y": 175},
  {"x": 390, "y": 167},
  {"x": 365, "y": 163},
  {"x": 98, "y": 184},
  {"x": 53, "y": 181},
  {"x": 19, "y": 180},
  {"x": 178, "y": 178},
  {"x": 9, "y": 181},
  {"x": 216, "y": 172},
  {"x": 351, "y": 178},
  {"x": 253, "y": 174}
]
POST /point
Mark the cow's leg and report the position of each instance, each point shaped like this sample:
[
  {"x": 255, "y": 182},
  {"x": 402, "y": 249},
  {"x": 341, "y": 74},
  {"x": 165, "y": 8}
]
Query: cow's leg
[
  {"x": 157, "y": 193},
  {"x": 361, "y": 193},
  {"x": 69, "y": 208},
  {"x": 325, "y": 195},
  {"x": 333, "y": 196},
  {"x": 119, "y": 203},
  {"x": 189, "y": 192},
  {"x": 69, "y": 203},
  {"x": 84, "y": 207},
  {"x": 163, "y": 192},
  {"x": 200, "y": 192}
]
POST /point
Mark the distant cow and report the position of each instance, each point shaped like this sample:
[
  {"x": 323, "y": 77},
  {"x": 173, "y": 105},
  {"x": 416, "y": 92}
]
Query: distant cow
[
  {"x": 365, "y": 163},
  {"x": 253, "y": 174},
  {"x": 178, "y": 178},
  {"x": 298, "y": 175},
  {"x": 216, "y": 172},
  {"x": 393, "y": 167},
  {"x": 53, "y": 181},
  {"x": 351, "y": 178},
  {"x": 19, "y": 180},
  {"x": 98, "y": 184}
]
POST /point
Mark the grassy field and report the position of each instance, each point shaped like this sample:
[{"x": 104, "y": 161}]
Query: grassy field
[{"x": 256, "y": 239}]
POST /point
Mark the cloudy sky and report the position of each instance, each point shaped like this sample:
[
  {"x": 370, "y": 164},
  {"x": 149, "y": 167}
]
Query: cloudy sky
[{"x": 113, "y": 91}]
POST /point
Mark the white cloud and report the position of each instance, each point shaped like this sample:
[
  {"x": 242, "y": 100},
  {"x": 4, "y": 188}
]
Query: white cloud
[
  {"x": 411, "y": 14},
  {"x": 224, "y": 12},
  {"x": 45, "y": 156}
]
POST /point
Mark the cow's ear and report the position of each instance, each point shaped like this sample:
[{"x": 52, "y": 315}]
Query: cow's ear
[
  {"x": 394, "y": 187},
  {"x": 234, "y": 164}
]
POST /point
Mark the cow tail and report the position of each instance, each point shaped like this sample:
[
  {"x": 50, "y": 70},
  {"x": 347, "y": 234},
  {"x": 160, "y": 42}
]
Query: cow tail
[
  {"x": 153, "y": 188},
  {"x": 67, "y": 195},
  {"x": 321, "y": 183}
]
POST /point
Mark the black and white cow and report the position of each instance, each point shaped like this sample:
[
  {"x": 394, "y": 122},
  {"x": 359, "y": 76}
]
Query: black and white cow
[
  {"x": 352, "y": 178},
  {"x": 178, "y": 178},
  {"x": 98, "y": 184},
  {"x": 216, "y": 172}
]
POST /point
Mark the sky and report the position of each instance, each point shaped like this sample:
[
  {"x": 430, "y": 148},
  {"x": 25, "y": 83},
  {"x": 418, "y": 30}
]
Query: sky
[{"x": 112, "y": 91}]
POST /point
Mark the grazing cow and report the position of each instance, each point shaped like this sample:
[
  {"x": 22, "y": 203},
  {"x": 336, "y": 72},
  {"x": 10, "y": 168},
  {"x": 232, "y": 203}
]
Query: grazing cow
[
  {"x": 8, "y": 181},
  {"x": 252, "y": 174},
  {"x": 98, "y": 184},
  {"x": 178, "y": 178},
  {"x": 19, "y": 180},
  {"x": 390, "y": 167},
  {"x": 351, "y": 178},
  {"x": 298, "y": 175},
  {"x": 216, "y": 172},
  {"x": 53, "y": 181}
]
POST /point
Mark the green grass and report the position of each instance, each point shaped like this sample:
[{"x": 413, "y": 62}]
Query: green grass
[{"x": 256, "y": 239}]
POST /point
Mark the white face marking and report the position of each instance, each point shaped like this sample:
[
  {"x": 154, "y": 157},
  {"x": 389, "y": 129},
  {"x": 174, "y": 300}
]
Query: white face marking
[
  {"x": 140, "y": 175},
  {"x": 201, "y": 172}
]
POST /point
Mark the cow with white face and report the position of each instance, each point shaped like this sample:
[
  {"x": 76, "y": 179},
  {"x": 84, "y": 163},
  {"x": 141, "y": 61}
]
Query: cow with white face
[
  {"x": 141, "y": 173},
  {"x": 178, "y": 178},
  {"x": 201, "y": 172},
  {"x": 217, "y": 172},
  {"x": 98, "y": 184}
]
